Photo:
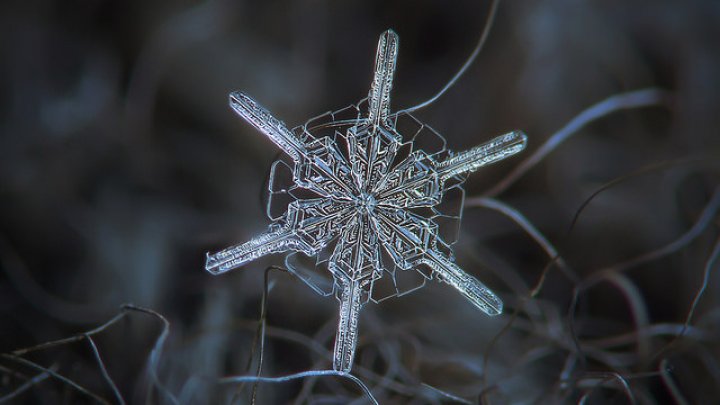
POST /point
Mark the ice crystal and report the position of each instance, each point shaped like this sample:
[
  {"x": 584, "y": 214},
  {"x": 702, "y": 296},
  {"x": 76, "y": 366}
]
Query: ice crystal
[{"x": 367, "y": 205}]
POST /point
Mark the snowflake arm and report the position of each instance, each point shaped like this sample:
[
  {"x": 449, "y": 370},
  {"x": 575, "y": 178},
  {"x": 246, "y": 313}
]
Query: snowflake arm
[{"x": 354, "y": 267}]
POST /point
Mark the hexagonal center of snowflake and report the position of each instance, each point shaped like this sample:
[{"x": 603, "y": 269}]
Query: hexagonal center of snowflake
[{"x": 366, "y": 202}]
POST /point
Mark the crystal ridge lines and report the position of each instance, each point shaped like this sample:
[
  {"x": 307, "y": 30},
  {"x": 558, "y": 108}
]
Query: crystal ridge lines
[{"x": 365, "y": 201}]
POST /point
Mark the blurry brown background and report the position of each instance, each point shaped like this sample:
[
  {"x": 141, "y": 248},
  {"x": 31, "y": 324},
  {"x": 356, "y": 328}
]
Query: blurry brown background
[{"x": 121, "y": 165}]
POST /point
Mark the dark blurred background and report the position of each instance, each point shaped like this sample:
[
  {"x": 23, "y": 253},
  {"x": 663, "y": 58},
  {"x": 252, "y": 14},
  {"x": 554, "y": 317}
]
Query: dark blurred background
[{"x": 121, "y": 164}]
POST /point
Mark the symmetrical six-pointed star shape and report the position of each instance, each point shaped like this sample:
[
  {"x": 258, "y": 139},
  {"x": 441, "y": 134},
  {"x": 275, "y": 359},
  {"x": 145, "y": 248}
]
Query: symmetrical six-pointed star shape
[{"x": 364, "y": 201}]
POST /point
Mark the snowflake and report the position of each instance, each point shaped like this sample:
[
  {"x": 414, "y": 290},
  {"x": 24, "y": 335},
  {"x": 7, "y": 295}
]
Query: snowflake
[{"x": 366, "y": 204}]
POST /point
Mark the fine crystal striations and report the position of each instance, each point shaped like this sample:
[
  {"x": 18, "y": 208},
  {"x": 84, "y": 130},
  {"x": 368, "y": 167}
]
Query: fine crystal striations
[{"x": 368, "y": 205}]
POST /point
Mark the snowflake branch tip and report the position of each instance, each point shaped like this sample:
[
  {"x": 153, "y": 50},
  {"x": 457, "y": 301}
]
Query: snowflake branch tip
[
  {"x": 385, "y": 59},
  {"x": 490, "y": 152},
  {"x": 351, "y": 299},
  {"x": 274, "y": 241},
  {"x": 470, "y": 287},
  {"x": 260, "y": 118}
]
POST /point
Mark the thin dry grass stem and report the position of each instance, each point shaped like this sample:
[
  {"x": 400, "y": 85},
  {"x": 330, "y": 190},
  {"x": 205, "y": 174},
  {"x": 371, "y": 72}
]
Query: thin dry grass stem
[
  {"x": 622, "y": 101},
  {"x": 71, "y": 339},
  {"x": 705, "y": 219},
  {"x": 104, "y": 371},
  {"x": 309, "y": 383},
  {"x": 670, "y": 384},
  {"x": 639, "y": 312},
  {"x": 654, "y": 167},
  {"x": 567, "y": 370},
  {"x": 709, "y": 266},
  {"x": 594, "y": 380},
  {"x": 156, "y": 352},
  {"x": 597, "y": 380},
  {"x": 483, "y": 38},
  {"x": 310, "y": 373},
  {"x": 260, "y": 335},
  {"x": 543, "y": 276},
  {"x": 527, "y": 226},
  {"x": 448, "y": 395},
  {"x": 55, "y": 374},
  {"x": 258, "y": 344},
  {"x": 24, "y": 387},
  {"x": 653, "y": 330},
  {"x": 312, "y": 343}
]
